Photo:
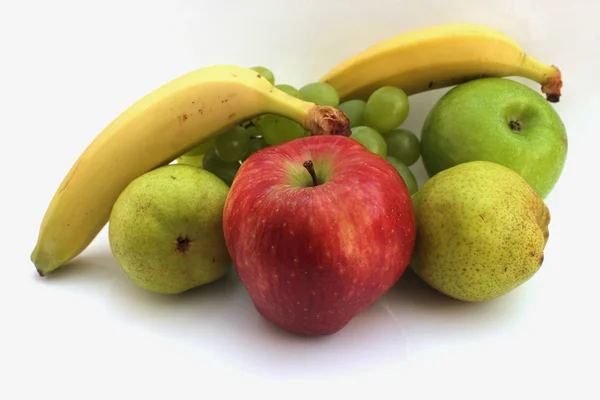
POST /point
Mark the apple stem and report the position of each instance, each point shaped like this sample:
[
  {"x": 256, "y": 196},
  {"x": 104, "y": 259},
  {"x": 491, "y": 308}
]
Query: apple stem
[{"x": 308, "y": 164}]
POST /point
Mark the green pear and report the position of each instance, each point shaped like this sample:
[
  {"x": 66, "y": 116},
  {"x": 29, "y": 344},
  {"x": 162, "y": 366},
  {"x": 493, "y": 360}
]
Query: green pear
[
  {"x": 481, "y": 231},
  {"x": 166, "y": 229}
]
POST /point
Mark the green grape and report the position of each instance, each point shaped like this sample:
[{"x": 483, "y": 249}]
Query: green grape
[
  {"x": 201, "y": 148},
  {"x": 247, "y": 123},
  {"x": 194, "y": 161},
  {"x": 251, "y": 127},
  {"x": 252, "y": 131},
  {"x": 255, "y": 145},
  {"x": 276, "y": 129},
  {"x": 403, "y": 145},
  {"x": 226, "y": 171},
  {"x": 369, "y": 138},
  {"x": 322, "y": 94},
  {"x": 386, "y": 109},
  {"x": 289, "y": 89},
  {"x": 194, "y": 156},
  {"x": 405, "y": 173},
  {"x": 354, "y": 110},
  {"x": 232, "y": 145},
  {"x": 266, "y": 73}
]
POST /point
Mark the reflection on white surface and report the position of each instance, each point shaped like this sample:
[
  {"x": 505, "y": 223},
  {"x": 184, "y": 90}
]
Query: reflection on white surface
[{"x": 409, "y": 318}]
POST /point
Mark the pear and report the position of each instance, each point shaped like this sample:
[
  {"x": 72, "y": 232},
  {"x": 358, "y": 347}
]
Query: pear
[
  {"x": 481, "y": 231},
  {"x": 166, "y": 229}
]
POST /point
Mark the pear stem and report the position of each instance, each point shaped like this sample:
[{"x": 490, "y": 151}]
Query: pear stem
[{"x": 308, "y": 164}]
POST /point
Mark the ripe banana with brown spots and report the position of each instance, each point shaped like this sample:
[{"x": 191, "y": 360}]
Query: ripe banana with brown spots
[
  {"x": 437, "y": 57},
  {"x": 154, "y": 131}
]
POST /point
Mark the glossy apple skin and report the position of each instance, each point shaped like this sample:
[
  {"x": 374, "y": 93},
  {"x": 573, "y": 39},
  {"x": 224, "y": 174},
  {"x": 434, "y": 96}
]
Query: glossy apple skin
[
  {"x": 313, "y": 257},
  {"x": 472, "y": 123}
]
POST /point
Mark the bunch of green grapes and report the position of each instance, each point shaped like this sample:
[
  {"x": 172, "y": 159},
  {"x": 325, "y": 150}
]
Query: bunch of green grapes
[
  {"x": 375, "y": 124},
  {"x": 224, "y": 154}
]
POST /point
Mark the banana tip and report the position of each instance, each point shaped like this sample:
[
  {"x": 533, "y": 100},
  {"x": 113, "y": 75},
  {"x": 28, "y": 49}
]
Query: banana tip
[{"x": 42, "y": 263}]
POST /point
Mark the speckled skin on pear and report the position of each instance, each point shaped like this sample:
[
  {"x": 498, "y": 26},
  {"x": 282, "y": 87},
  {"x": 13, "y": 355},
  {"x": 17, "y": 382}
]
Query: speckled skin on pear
[
  {"x": 166, "y": 231},
  {"x": 481, "y": 231}
]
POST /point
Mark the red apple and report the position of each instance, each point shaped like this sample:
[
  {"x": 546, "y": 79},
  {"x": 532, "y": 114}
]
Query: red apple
[{"x": 318, "y": 228}]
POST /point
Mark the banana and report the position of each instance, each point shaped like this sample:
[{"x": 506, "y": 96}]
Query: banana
[
  {"x": 155, "y": 130},
  {"x": 437, "y": 57}
]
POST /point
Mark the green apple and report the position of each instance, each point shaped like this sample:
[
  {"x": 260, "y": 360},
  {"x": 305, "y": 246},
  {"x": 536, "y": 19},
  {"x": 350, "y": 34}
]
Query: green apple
[
  {"x": 165, "y": 229},
  {"x": 498, "y": 120}
]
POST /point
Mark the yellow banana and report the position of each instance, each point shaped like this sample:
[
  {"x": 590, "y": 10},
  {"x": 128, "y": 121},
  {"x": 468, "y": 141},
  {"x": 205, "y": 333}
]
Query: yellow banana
[
  {"x": 152, "y": 132},
  {"x": 437, "y": 57}
]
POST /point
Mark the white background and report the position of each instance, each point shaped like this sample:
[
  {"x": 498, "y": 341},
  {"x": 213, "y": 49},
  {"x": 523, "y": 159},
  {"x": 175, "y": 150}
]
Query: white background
[{"x": 68, "y": 68}]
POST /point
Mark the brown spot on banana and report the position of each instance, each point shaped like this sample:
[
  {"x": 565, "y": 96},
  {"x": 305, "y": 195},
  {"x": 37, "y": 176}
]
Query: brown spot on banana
[{"x": 182, "y": 118}]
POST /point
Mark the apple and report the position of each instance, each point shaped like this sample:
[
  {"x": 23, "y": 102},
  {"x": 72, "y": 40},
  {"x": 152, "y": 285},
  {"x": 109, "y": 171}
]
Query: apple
[
  {"x": 498, "y": 120},
  {"x": 318, "y": 229}
]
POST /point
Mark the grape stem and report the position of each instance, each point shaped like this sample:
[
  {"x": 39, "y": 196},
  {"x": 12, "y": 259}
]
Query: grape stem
[
  {"x": 308, "y": 164},
  {"x": 327, "y": 120}
]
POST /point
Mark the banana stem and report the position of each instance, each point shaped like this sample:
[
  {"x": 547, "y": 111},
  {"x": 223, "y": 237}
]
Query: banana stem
[
  {"x": 551, "y": 88},
  {"x": 319, "y": 120},
  {"x": 549, "y": 76},
  {"x": 326, "y": 120}
]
